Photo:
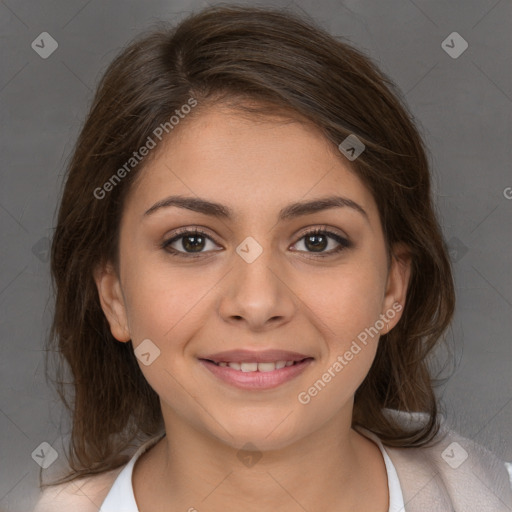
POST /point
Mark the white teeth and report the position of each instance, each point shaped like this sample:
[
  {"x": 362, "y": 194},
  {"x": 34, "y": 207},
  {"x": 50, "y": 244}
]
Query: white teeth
[
  {"x": 266, "y": 367},
  {"x": 249, "y": 367},
  {"x": 253, "y": 367}
]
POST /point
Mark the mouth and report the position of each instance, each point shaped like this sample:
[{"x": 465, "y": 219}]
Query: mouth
[{"x": 256, "y": 371}]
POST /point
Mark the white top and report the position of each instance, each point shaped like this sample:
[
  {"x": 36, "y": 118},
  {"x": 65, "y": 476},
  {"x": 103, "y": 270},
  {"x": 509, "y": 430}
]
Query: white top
[{"x": 121, "y": 498}]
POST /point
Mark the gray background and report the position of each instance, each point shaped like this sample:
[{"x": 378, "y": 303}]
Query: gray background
[{"x": 463, "y": 106}]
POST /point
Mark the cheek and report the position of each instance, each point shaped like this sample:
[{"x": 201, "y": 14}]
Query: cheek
[
  {"x": 346, "y": 313},
  {"x": 346, "y": 306},
  {"x": 162, "y": 302},
  {"x": 166, "y": 308},
  {"x": 346, "y": 302}
]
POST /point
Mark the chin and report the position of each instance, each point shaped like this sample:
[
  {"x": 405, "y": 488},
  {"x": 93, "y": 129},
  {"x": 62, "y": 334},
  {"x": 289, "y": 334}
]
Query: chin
[{"x": 267, "y": 434}]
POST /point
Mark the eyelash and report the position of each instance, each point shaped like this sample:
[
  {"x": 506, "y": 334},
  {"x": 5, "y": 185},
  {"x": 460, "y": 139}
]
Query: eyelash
[{"x": 344, "y": 243}]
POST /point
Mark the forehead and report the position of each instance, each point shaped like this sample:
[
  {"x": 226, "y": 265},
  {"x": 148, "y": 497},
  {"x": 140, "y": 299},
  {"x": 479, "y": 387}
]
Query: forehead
[{"x": 248, "y": 161}]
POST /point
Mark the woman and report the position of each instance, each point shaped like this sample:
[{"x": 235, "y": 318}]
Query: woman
[{"x": 250, "y": 280}]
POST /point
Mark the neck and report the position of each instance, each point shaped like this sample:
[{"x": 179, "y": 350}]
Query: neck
[{"x": 334, "y": 469}]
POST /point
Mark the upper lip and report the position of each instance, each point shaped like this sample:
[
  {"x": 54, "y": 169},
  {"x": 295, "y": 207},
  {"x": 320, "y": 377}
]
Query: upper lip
[{"x": 251, "y": 356}]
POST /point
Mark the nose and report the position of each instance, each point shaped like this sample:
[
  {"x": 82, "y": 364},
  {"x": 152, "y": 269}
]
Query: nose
[{"x": 258, "y": 293}]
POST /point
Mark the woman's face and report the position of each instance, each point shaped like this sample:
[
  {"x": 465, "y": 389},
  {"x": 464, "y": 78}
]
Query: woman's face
[{"x": 255, "y": 280}]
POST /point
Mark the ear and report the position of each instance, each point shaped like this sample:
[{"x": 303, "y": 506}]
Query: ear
[
  {"x": 112, "y": 301},
  {"x": 397, "y": 284}
]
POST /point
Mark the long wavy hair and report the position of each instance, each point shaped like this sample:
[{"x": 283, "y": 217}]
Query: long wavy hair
[{"x": 262, "y": 61}]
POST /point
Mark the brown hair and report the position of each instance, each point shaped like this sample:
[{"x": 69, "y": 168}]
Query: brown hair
[{"x": 281, "y": 62}]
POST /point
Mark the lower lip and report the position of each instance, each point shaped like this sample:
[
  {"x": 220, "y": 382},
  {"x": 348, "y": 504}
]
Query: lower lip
[{"x": 256, "y": 380}]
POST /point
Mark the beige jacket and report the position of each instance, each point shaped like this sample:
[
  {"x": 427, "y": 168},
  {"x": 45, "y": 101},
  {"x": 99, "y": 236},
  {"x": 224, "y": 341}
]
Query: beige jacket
[{"x": 454, "y": 475}]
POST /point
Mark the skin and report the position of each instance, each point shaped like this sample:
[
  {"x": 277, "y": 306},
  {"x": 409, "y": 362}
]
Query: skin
[{"x": 288, "y": 298}]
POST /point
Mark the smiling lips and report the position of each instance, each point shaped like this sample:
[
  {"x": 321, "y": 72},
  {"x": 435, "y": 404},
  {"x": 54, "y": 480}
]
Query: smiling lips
[{"x": 256, "y": 370}]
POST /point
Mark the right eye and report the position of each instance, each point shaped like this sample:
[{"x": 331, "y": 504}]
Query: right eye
[{"x": 192, "y": 240}]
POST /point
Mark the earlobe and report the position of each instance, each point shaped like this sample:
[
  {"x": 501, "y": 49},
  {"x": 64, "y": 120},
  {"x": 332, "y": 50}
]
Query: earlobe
[
  {"x": 398, "y": 281},
  {"x": 112, "y": 301}
]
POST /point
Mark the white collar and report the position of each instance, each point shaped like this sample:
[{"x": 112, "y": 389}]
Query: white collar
[{"x": 120, "y": 497}]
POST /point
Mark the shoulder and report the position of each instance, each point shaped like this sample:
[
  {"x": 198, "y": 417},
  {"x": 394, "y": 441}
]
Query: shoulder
[
  {"x": 81, "y": 495},
  {"x": 453, "y": 467},
  {"x": 86, "y": 494}
]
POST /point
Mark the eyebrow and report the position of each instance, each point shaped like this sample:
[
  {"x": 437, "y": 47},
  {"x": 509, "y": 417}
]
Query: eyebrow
[{"x": 291, "y": 211}]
